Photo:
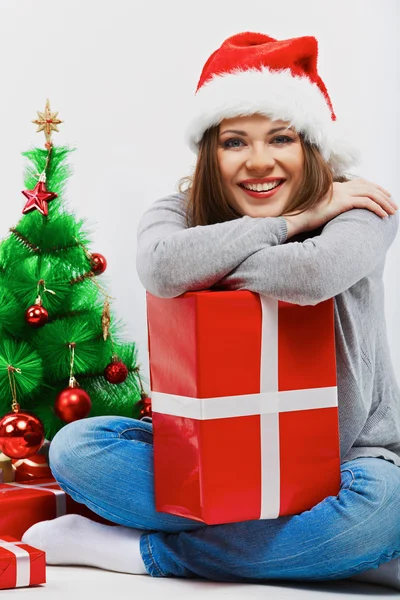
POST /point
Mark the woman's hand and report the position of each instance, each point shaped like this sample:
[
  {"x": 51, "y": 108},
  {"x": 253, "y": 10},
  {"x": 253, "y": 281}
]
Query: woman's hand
[{"x": 358, "y": 193}]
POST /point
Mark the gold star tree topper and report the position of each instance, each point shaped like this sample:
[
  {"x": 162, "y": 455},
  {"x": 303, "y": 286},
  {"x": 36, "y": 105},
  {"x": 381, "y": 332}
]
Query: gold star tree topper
[{"x": 47, "y": 122}]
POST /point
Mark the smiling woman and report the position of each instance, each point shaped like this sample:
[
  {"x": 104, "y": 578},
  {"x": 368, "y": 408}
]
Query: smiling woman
[
  {"x": 275, "y": 162},
  {"x": 241, "y": 147},
  {"x": 271, "y": 164}
]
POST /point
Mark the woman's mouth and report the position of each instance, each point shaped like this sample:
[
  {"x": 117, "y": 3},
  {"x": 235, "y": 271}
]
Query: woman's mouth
[{"x": 261, "y": 193}]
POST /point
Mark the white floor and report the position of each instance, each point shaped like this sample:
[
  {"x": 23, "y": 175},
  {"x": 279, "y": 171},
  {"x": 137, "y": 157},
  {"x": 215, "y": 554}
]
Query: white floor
[{"x": 83, "y": 583}]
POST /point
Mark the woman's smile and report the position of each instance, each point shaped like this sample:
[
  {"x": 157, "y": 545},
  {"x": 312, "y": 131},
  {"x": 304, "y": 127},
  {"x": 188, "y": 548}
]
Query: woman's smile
[{"x": 263, "y": 188}]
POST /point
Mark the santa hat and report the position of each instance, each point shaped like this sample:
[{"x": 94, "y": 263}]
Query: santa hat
[{"x": 254, "y": 73}]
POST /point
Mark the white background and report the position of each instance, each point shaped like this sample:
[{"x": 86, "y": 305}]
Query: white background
[{"x": 121, "y": 74}]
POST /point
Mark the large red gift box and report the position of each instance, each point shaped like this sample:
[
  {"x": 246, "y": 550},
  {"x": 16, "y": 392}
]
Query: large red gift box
[
  {"x": 244, "y": 402},
  {"x": 20, "y": 564},
  {"x": 25, "y": 503}
]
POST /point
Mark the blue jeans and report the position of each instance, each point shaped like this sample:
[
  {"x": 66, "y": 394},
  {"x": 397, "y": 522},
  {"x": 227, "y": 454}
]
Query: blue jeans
[{"x": 107, "y": 464}]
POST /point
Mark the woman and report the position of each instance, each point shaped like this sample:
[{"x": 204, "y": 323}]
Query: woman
[{"x": 269, "y": 209}]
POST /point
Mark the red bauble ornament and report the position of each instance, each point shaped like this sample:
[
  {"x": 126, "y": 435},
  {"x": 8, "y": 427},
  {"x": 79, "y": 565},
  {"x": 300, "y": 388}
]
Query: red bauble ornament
[
  {"x": 21, "y": 434},
  {"x": 116, "y": 371},
  {"x": 36, "y": 316},
  {"x": 72, "y": 404},
  {"x": 99, "y": 263},
  {"x": 145, "y": 407},
  {"x": 38, "y": 198},
  {"x": 33, "y": 467}
]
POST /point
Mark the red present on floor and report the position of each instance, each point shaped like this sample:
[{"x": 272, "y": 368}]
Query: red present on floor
[
  {"x": 20, "y": 564},
  {"x": 33, "y": 467},
  {"x": 22, "y": 504},
  {"x": 245, "y": 409}
]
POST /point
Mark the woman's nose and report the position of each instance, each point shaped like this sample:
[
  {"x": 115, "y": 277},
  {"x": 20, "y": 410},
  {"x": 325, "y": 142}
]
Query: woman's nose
[{"x": 261, "y": 159}]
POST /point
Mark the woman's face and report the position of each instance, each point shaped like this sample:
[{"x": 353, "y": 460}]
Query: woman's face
[{"x": 255, "y": 154}]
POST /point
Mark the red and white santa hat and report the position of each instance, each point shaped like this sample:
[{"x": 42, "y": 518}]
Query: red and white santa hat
[{"x": 254, "y": 73}]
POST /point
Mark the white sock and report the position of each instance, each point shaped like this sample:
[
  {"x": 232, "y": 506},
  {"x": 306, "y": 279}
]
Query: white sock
[{"x": 75, "y": 540}]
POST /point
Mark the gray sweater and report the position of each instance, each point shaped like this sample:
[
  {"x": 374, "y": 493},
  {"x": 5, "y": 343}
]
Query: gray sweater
[{"x": 345, "y": 260}]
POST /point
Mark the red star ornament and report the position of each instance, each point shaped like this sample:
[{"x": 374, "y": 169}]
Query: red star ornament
[{"x": 38, "y": 198}]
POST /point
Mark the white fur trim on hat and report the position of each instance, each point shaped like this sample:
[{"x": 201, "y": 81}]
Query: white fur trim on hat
[{"x": 278, "y": 95}]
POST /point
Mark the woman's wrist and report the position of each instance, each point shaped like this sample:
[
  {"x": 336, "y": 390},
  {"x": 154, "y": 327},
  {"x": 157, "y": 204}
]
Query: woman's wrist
[{"x": 295, "y": 224}]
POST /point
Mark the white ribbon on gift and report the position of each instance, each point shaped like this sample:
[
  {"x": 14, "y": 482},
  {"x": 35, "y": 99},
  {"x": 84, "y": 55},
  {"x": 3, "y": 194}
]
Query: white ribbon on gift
[
  {"x": 61, "y": 506},
  {"x": 26, "y": 461},
  {"x": 268, "y": 404},
  {"x": 23, "y": 567}
]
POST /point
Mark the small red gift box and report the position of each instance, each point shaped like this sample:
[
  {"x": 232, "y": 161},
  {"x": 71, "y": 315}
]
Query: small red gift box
[
  {"x": 20, "y": 565},
  {"x": 34, "y": 467},
  {"x": 23, "y": 504},
  {"x": 244, "y": 400}
]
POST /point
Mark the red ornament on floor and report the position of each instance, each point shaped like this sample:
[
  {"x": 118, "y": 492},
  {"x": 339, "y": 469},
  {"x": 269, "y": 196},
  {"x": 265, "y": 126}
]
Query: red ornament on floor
[
  {"x": 145, "y": 407},
  {"x": 36, "y": 316},
  {"x": 99, "y": 263},
  {"x": 72, "y": 404},
  {"x": 21, "y": 434},
  {"x": 116, "y": 371}
]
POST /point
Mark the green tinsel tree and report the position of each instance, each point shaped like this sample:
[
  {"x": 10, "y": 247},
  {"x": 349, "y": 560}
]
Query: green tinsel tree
[{"x": 45, "y": 261}]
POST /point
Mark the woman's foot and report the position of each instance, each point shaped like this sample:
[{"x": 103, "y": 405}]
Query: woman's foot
[{"x": 75, "y": 540}]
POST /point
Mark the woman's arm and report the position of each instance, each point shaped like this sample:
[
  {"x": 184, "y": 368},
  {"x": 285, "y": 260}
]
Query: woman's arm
[
  {"x": 173, "y": 259},
  {"x": 349, "y": 247}
]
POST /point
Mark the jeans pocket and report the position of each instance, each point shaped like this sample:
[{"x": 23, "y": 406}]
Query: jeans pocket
[
  {"x": 137, "y": 434},
  {"x": 347, "y": 478}
]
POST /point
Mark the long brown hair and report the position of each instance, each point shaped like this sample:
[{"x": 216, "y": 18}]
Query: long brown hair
[{"x": 207, "y": 203}]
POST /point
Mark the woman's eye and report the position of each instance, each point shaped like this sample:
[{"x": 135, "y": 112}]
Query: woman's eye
[
  {"x": 233, "y": 143},
  {"x": 282, "y": 139}
]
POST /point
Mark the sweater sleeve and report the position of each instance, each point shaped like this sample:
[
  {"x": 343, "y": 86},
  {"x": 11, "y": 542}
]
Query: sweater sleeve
[
  {"x": 349, "y": 247},
  {"x": 173, "y": 259}
]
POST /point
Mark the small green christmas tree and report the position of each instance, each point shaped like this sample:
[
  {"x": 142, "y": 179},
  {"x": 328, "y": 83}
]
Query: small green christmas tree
[{"x": 57, "y": 335}]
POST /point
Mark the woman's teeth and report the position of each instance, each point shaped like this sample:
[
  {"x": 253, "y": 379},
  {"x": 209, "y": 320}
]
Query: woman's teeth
[{"x": 261, "y": 187}]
